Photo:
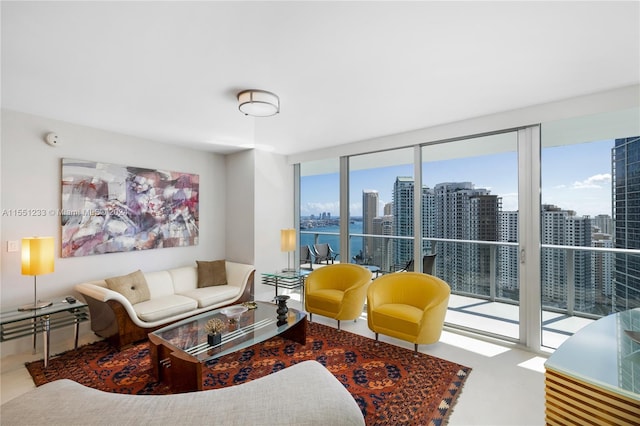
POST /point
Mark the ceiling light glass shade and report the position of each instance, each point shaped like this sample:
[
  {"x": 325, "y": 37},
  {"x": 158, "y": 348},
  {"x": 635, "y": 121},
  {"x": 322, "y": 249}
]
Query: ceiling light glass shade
[{"x": 258, "y": 103}]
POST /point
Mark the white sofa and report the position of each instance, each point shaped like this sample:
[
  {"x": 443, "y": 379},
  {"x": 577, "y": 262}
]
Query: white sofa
[
  {"x": 303, "y": 394},
  {"x": 174, "y": 295}
]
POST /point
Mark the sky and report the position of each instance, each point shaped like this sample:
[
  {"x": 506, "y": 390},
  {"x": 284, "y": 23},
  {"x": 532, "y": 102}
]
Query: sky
[{"x": 574, "y": 177}]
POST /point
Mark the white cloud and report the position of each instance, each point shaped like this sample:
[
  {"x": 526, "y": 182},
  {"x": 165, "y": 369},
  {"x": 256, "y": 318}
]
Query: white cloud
[
  {"x": 595, "y": 181},
  {"x": 510, "y": 202},
  {"x": 318, "y": 208}
]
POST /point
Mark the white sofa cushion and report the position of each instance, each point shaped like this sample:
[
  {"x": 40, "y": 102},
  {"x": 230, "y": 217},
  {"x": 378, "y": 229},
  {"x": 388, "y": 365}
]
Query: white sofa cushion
[
  {"x": 159, "y": 283},
  {"x": 162, "y": 307},
  {"x": 207, "y": 296},
  {"x": 185, "y": 279}
]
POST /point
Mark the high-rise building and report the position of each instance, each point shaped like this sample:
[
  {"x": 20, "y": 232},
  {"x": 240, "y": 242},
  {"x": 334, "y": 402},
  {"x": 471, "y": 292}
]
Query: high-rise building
[
  {"x": 507, "y": 275},
  {"x": 626, "y": 219},
  {"x": 463, "y": 212},
  {"x": 369, "y": 212},
  {"x": 403, "y": 219},
  {"x": 579, "y": 234},
  {"x": 602, "y": 272},
  {"x": 428, "y": 214},
  {"x": 604, "y": 223},
  {"x": 564, "y": 228},
  {"x": 383, "y": 256}
]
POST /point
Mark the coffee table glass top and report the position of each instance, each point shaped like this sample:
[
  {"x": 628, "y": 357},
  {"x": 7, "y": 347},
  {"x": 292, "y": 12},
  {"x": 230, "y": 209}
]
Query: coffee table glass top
[{"x": 254, "y": 326}]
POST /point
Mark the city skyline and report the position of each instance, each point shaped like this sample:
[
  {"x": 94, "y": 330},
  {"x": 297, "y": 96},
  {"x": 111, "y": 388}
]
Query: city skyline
[
  {"x": 599, "y": 282},
  {"x": 582, "y": 184}
]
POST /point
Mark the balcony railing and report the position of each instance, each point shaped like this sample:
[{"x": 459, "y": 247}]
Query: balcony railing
[{"x": 576, "y": 281}]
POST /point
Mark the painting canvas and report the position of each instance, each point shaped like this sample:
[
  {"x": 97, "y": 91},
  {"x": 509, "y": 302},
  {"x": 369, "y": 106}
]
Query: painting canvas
[{"x": 109, "y": 208}]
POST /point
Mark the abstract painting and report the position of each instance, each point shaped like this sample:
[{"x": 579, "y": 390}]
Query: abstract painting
[{"x": 108, "y": 208}]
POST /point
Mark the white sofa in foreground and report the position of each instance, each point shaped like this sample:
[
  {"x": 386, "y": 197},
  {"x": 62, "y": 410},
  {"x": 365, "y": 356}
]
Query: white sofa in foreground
[
  {"x": 303, "y": 394},
  {"x": 172, "y": 295}
]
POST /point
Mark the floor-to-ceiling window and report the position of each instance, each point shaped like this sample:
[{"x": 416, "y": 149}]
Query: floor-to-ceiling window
[
  {"x": 470, "y": 224},
  {"x": 590, "y": 221},
  {"x": 319, "y": 206},
  {"x": 473, "y": 203},
  {"x": 381, "y": 209}
]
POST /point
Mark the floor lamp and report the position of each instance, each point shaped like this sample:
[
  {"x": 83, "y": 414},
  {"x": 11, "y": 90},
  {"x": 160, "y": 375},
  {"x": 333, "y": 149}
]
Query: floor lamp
[
  {"x": 37, "y": 259},
  {"x": 288, "y": 244}
]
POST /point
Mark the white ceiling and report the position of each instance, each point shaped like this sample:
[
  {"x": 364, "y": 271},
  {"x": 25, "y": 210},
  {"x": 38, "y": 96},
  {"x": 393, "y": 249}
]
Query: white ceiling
[{"x": 344, "y": 71}]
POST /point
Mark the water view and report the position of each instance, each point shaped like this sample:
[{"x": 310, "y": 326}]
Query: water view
[{"x": 308, "y": 236}]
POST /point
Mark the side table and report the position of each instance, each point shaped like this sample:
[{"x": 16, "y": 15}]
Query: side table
[
  {"x": 15, "y": 324},
  {"x": 592, "y": 378},
  {"x": 287, "y": 279}
]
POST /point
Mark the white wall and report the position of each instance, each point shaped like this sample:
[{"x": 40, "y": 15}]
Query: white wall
[
  {"x": 259, "y": 205},
  {"x": 245, "y": 201},
  {"x": 31, "y": 175},
  {"x": 240, "y": 206},
  {"x": 274, "y": 210}
]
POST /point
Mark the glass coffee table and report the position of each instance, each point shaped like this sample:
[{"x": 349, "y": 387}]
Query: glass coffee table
[{"x": 179, "y": 351}]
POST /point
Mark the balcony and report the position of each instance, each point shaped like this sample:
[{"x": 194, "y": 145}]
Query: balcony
[{"x": 576, "y": 282}]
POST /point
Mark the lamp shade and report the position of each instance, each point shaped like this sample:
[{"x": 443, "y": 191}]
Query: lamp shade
[
  {"x": 258, "y": 103},
  {"x": 37, "y": 255},
  {"x": 288, "y": 239}
]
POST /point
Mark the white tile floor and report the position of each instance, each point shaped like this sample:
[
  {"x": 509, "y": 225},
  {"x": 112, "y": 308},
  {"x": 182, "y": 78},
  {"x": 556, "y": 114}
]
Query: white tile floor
[{"x": 505, "y": 387}]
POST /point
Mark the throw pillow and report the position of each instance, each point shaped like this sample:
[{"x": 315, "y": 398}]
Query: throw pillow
[
  {"x": 132, "y": 286},
  {"x": 211, "y": 273}
]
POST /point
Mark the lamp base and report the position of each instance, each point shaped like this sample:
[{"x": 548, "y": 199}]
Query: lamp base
[{"x": 36, "y": 306}]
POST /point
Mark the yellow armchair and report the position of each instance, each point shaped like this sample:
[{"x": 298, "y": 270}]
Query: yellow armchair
[
  {"x": 336, "y": 291},
  {"x": 409, "y": 306}
]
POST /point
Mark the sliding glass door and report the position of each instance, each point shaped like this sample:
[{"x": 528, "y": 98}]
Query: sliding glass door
[
  {"x": 536, "y": 230},
  {"x": 470, "y": 223},
  {"x": 590, "y": 220},
  {"x": 381, "y": 231},
  {"x": 319, "y": 215}
]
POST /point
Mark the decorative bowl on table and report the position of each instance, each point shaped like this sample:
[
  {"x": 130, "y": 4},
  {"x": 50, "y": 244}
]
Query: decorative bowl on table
[{"x": 234, "y": 312}]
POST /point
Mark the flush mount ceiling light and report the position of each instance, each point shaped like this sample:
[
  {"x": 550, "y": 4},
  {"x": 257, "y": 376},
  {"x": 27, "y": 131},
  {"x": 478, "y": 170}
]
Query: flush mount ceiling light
[{"x": 258, "y": 103}]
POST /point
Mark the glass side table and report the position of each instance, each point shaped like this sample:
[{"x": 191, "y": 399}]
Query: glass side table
[
  {"x": 15, "y": 324},
  {"x": 286, "y": 279}
]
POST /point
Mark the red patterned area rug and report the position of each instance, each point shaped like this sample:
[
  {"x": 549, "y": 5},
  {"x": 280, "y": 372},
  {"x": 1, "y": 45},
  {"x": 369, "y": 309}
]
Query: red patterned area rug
[{"x": 390, "y": 384}]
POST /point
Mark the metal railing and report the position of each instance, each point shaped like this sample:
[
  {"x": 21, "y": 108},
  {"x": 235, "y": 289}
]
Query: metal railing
[{"x": 495, "y": 279}]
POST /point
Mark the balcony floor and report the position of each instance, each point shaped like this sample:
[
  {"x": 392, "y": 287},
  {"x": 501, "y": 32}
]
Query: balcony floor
[{"x": 501, "y": 319}]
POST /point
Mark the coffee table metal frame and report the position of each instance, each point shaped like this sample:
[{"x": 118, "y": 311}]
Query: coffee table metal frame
[{"x": 179, "y": 351}]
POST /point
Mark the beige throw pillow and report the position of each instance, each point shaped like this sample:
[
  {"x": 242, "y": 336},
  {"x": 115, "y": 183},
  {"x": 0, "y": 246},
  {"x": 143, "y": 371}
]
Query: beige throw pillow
[
  {"x": 211, "y": 273},
  {"x": 132, "y": 286}
]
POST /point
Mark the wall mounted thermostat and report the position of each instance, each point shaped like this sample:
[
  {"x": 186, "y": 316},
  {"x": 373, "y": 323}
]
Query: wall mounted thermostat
[{"x": 52, "y": 139}]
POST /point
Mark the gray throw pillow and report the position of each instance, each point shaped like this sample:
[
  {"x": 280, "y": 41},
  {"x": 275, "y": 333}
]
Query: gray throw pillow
[
  {"x": 211, "y": 273},
  {"x": 132, "y": 286}
]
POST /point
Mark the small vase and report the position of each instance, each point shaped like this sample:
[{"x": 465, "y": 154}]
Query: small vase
[
  {"x": 282, "y": 308},
  {"x": 214, "y": 339}
]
